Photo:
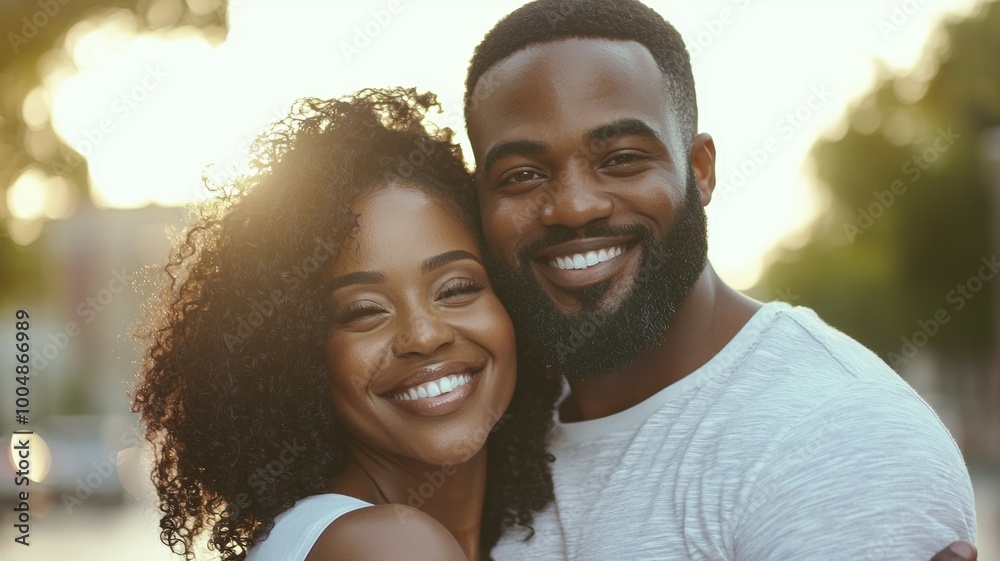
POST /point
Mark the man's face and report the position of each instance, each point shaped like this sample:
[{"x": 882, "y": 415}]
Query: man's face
[{"x": 590, "y": 205}]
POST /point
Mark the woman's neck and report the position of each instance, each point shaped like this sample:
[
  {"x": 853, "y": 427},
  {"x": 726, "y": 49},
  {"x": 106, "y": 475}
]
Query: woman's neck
[{"x": 451, "y": 494}]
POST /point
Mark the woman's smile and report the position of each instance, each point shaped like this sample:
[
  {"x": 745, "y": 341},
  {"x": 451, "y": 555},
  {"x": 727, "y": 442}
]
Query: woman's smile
[{"x": 440, "y": 396}]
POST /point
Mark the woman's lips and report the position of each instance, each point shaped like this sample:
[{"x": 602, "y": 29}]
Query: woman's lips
[
  {"x": 437, "y": 388},
  {"x": 462, "y": 386},
  {"x": 433, "y": 388}
]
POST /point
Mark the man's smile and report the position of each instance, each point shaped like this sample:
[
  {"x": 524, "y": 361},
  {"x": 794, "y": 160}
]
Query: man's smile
[
  {"x": 584, "y": 262},
  {"x": 581, "y": 261}
]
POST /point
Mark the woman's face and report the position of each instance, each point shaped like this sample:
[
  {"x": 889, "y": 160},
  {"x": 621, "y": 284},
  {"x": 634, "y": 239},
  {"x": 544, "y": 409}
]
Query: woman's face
[{"x": 421, "y": 356}]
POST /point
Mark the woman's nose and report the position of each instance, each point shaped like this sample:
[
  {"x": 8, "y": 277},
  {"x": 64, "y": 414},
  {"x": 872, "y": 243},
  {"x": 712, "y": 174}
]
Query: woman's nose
[{"x": 422, "y": 332}]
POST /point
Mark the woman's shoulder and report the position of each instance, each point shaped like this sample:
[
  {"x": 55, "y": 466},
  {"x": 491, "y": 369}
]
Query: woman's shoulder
[
  {"x": 390, "y": 531},
  {"x": 296, "y": 529}
]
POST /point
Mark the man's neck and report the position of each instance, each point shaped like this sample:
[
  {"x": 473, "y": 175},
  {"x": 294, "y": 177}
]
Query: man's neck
[{"x": 707, "y": 319}]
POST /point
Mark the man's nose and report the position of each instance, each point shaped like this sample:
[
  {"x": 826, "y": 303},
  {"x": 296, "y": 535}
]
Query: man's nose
[{"x": 574, "y": 200}]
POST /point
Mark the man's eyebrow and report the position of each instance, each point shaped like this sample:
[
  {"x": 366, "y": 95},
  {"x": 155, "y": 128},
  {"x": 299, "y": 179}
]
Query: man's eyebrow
[
  {"x": 360, "y": 277},
  {"x": 443, "y": 259},
  {"x": 625, "y": 127},
  {"x": 603, "y": 133},
  {"x": 512, "y": 147}
]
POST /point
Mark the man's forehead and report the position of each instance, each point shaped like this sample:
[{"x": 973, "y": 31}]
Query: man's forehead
[{"x": 569, "y": 86}]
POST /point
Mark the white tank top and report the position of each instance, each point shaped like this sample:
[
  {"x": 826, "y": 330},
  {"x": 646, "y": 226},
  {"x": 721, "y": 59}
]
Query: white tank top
[{"x": 297, "y": 529}]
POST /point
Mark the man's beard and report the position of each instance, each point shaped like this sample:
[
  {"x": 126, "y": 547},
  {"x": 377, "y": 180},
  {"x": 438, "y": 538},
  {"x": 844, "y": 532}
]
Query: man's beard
[{"x": 595, "y": 340}]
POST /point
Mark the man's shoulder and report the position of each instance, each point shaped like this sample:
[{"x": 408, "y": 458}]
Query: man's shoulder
[
  {"x": 803, "y": 364},
  {"x": 798, "y": 373},
  {"x": 797, "y": 340}
]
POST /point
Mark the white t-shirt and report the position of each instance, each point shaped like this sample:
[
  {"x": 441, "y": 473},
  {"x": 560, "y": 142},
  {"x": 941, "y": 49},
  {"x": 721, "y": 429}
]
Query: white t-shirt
[
  {"x": 296, "y": 530},
  {"x": 793, "y": 442}
]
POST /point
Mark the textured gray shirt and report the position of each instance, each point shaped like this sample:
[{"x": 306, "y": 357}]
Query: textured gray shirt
[{"x": 793, "y": 442}]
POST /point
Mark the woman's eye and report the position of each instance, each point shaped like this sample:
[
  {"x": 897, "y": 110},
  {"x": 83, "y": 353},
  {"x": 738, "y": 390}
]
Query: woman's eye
[
  {"x": 520, "y": 176},
  {"x": 455, "y": 291},
  {"x": 357, "y": 312}
]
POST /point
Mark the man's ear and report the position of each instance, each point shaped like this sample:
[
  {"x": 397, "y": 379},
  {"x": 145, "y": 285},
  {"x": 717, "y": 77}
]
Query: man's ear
[{"x": 703, "y": 164}]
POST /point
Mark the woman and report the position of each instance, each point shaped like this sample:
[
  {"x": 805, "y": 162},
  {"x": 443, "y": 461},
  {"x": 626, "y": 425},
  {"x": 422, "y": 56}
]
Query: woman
[{"x": 330, "y": 340}]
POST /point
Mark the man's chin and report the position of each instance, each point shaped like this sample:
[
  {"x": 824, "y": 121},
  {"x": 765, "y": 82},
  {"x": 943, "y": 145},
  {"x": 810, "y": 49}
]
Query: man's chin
[{"x": 604, "y": 299}]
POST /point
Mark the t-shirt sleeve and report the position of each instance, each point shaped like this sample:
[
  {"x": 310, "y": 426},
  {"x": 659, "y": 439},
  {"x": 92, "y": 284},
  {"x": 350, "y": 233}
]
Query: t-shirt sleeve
[{"x": 870, "y": 473}]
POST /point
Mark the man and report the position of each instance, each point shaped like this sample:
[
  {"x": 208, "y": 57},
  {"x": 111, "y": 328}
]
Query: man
[{"x": 699, "y": 424}]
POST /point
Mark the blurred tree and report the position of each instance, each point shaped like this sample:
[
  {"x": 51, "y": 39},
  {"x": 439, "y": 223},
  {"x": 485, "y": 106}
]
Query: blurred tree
[
  {"x": 34, "y": 33},
  {"x": 909, "y": 222}
]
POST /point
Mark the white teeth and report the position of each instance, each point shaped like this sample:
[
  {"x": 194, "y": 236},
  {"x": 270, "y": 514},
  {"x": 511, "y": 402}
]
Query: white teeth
[
  {"x": 585, "y": 260},
  {"x": 433, "y": 388},
  {"x": 445, "y": 384}
]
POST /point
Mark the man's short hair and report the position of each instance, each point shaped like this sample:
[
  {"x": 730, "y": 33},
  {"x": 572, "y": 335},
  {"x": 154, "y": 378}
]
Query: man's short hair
[{"x": 628, "y": 20}]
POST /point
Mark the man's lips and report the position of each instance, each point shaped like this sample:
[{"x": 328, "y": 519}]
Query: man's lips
[
  {"x": 587, "y": 259},
  {"x": 585, "y": 262}
]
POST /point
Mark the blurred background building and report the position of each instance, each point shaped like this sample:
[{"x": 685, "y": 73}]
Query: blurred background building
[{"x": 859, "y": 175}]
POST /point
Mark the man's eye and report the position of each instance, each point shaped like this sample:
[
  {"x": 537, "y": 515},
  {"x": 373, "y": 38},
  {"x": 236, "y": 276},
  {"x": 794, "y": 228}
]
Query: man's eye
[
  {"x": 456, "y": 290},
  {"x": 520, "y": 176},
  {"x": 626, "y": 159}
]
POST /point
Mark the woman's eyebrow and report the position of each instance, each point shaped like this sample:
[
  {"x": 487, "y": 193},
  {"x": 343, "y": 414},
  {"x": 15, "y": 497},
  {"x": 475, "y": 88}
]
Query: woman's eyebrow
[
  {"x": 360, "y": 277},
  {"x": 443, "y": 259},
  {"x": 429, "y": 264}
]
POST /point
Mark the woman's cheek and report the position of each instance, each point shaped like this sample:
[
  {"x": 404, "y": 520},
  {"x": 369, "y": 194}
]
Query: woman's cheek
[{"x": 350, "y": 358}]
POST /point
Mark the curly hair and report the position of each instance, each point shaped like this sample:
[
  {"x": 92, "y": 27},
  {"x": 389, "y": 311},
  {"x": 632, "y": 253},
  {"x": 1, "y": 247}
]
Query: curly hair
[{"x": 233, "y": 385}]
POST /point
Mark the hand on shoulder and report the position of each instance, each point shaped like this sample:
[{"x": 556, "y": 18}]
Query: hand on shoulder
[{"x": 385, "y": 532}]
